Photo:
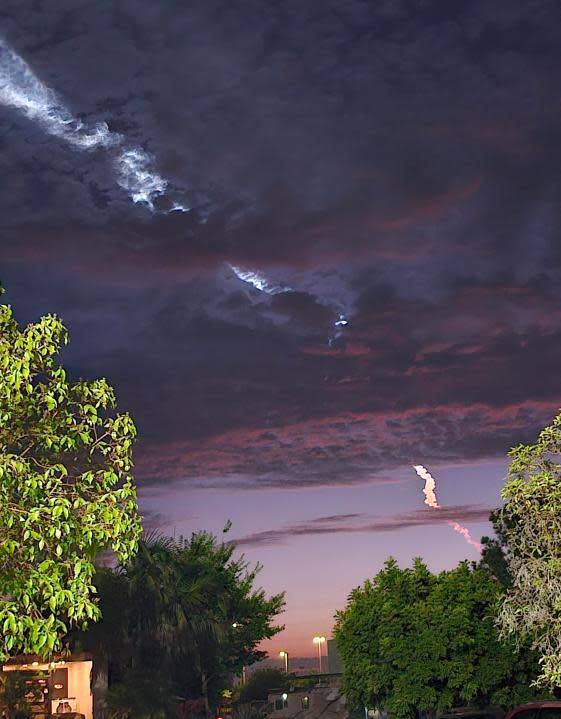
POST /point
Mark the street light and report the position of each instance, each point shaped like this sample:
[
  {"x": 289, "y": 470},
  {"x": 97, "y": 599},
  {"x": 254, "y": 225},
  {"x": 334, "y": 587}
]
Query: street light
[
  {"x": 319, "y": 641},
  {"x": 284, "y": 655}
]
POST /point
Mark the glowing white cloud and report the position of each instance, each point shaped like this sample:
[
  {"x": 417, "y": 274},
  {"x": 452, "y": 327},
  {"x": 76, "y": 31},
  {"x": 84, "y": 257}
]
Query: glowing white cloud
[
  {"x": 429, "y": 490},
  {"x": 21, "y": 89},
  {"x": 135, "y": 176},
  {"x": 258, "y": 281}
]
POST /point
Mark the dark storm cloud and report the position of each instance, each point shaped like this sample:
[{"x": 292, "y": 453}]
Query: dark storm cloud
[
  {"x": 392, "y": 162},
  {"x": 343, "y": 449},
  {"x": 362, "y": 523},
  {"x": 286, "y": 114}
]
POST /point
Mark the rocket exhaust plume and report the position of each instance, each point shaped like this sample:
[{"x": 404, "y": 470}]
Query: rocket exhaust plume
[
  {"x": 21, "y": 89},
  {"x": 466, "y": 535},
  {"x": 429, "y": 491},
  {"x": 430, "y": 485}
]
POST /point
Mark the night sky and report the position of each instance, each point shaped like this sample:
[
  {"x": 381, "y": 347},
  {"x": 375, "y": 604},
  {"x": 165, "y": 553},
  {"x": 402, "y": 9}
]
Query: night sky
[{"x": 316, "y": 242}]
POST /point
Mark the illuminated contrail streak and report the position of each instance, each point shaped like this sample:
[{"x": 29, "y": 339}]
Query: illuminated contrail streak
[
  {"x": 21, "y": 89},
  {"x": 135, "y": 176},
  {"x": 429, "y": 490},
  {"x": 255, "y": 279},
  {"x": 464, "y": 531},
  {"x": 261, "y": 283}
]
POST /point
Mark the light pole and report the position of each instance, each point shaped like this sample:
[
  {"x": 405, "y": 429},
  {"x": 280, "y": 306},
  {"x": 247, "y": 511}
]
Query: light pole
[
  {"x": 319, "y": 641},
  {"x": 284, "y": 655}
]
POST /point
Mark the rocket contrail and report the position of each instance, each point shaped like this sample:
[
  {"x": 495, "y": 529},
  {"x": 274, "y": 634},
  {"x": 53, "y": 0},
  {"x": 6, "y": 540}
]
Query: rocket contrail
[
  {"x": 255, "y": 279},
  {"x": 464, "y": 531},
  {"x": 430, "y": 485},
  {"x": 21, "y": 89},
  {"x": 429, "y": 491},
  {"x": 261, "y": 283}
]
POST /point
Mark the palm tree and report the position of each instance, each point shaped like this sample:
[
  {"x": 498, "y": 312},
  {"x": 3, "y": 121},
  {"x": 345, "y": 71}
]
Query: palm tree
[{"x": 181, "y": 615}]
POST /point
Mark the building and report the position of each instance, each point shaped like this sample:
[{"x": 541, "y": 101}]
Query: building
[
  {"x": 334, "y": 661},
  {"x": 320, "y": 699},
  {"x": 58, "y": 686}
]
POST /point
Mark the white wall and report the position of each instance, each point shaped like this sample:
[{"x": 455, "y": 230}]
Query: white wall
[{"x": 79, "y": 686}]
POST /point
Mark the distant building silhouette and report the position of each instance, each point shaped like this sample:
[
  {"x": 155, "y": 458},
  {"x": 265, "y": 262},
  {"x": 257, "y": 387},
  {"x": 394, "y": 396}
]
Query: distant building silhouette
[{"x": 334, "y": 661}]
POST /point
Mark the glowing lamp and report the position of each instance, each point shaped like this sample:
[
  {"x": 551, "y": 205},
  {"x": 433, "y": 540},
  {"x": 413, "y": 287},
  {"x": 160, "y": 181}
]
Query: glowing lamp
[{"x": 319, "y": 640}]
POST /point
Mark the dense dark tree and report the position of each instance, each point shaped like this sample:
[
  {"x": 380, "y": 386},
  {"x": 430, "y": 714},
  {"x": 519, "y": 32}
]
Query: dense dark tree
[
  {"x": 181, "y": 615},
  {"x": 493, "y": 558},
  {"x": 13, "y": 702},
  {"x": 261, "y": 682}
]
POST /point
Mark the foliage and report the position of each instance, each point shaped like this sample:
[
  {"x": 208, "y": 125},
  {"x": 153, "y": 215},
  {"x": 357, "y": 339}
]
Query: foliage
[
  {"x": 530, "y": 526},
  {"x": 187, "y": 613},
  {"x": 411, "y": 641},
  {"x": 13, "y": 703},
  {"x": 493, "y": 559},
  {"x": 140, "y": 696},
  {"x": 259, "y": 684},
  {"x": 250, "y": 710},
  {"x": 66, "y": 490}
]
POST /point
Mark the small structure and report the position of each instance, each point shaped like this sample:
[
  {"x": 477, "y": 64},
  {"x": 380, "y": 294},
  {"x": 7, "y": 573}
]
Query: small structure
[
  {"x": 62, "y": 686},
  {"x": 334, "y": 661},
  {"x": 321, "y": 698}
]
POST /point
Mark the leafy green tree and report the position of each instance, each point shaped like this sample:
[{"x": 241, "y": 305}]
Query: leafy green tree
[
  {"x": 529, "y": 524},
  {"x": 66, "y": 490},
  {"x": 260, "y": 683},
  {"x": 414, "y": 641},
  {"x": 185, "y": 613},
  {"x": 374, "y": 629}
]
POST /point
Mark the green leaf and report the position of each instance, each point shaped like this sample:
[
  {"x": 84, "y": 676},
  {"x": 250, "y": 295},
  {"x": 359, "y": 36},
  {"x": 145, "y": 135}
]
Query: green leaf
[{"x": 49, "y": 488}]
